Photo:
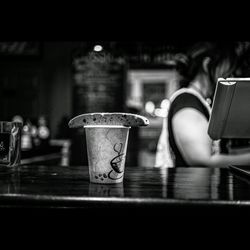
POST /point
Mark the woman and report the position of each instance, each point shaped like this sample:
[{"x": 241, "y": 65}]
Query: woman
[
  {"x": 163, "y": 156},
  {"x": 189, "y": 111}
]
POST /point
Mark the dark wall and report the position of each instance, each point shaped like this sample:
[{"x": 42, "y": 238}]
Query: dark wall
[
  {"x": 38, "y": 85},
  {"x": 57, "y": 81}
]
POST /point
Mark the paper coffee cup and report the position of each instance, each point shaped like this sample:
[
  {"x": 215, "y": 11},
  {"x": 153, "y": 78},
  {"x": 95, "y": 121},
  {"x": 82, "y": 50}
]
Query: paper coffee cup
[{"x": 106, "y": 148}]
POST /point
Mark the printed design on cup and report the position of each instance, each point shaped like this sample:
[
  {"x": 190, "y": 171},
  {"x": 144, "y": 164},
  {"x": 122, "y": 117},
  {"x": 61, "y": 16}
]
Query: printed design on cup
[
  {"x": 115, "y": 162},
  {"x": 101, "y": 176}
]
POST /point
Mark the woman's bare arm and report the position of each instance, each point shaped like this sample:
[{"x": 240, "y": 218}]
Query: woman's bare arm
[{"x": 190, "y": 132}]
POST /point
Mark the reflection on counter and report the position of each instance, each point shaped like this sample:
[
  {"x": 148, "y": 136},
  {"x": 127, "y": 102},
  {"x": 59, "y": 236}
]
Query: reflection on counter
[
  {"x": 9, "y": 183},
  {"x": 112, "y": 190}
]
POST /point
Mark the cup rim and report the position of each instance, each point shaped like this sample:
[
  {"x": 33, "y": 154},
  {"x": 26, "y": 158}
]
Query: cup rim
[{"x": 106, "y": 126}]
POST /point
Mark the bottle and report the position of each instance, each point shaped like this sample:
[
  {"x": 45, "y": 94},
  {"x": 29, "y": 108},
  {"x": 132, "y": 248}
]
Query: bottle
[
  {"x": 26, "y": 140},
  {"x": 43, "y": 131},
  {"x": 34, "y": 136}
]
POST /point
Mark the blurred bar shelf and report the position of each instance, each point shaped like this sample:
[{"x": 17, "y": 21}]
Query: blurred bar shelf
[{"x": 56, "y": 153}]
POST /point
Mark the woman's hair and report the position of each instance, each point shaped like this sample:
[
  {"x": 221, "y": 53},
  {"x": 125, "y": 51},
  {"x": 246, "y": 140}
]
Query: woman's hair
[
  {"x": 243, "y": 52},
  {"x": 223, "y": 61}
]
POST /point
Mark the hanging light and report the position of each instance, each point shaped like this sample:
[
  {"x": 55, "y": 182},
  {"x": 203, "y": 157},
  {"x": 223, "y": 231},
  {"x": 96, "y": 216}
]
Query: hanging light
[{"x": 98, "y": 48}]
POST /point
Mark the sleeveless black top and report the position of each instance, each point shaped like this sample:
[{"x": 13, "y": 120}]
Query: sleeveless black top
[{"x": 183, "y": 100}]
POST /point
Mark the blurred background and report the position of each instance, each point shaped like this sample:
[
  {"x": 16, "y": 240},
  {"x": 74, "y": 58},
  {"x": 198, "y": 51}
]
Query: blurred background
[{"x": 45, "y": 84}]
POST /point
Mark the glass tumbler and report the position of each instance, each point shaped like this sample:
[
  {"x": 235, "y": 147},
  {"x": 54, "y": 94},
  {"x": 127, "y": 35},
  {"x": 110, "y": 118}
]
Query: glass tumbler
[{"x": 10, "y": 145}]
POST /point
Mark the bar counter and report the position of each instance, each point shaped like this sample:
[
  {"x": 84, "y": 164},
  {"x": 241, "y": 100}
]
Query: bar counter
[{"x": 150, "y": 191}]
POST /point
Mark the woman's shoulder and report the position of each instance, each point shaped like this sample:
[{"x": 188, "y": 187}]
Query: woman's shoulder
[
  {"x": 186, "y": 92},
  {"x": 184, "y": 96},
  {"x": 188, "y": 98}
]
